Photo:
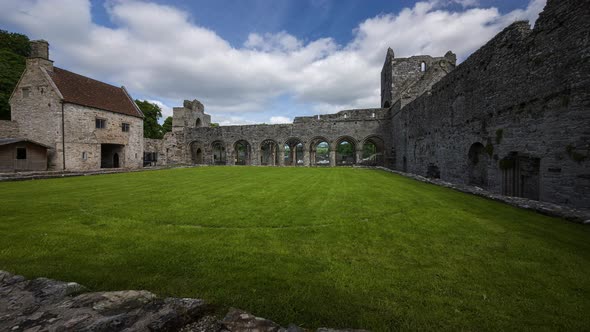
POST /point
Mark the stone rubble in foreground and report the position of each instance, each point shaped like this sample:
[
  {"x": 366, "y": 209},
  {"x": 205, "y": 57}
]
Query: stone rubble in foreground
[{"x": 49, "y": 305}]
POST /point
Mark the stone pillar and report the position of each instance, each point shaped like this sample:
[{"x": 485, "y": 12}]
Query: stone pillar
[
  {"x": 281, "y": 155},
  {"x": 230, "y": 156},
  {"x": 359, "y": 156},
  {"x": 332, "y": 158},
  {"x": 305, "y": 156},
  {"x": 255, "y": 158},
  {"x": 293, "y": 157}
]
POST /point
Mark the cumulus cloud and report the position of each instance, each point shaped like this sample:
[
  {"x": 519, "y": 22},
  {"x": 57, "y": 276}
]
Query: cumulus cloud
[
  {"x": 159, "y": 53},
  {"x": 166, "y": 110}
]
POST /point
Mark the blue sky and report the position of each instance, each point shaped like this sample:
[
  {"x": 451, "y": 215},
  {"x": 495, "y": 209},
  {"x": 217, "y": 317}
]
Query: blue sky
[{"x": 255, "y": 61}]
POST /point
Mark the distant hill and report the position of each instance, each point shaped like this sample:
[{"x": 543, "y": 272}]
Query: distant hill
[{"x": 14, "y": 49}]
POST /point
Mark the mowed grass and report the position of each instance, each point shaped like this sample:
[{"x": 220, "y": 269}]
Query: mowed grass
[{"x": 336, "y": 247}]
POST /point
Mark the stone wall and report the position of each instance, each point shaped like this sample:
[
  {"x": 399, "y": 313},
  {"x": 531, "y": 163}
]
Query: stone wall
[
  {"x": 83, "y": 140},
  {"x": 9, "y": 129},
  {"x": 35, "y": 105},
  {"x": 514, "y": 117},
  {"x": 157, "y": 147}
]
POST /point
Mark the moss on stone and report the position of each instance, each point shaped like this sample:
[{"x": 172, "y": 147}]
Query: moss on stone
[{"x": 489, "y": 148}]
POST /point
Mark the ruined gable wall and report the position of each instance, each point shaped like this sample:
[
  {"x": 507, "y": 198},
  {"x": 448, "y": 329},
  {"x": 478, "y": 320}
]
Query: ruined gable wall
[{"x": 526, "y": 91}]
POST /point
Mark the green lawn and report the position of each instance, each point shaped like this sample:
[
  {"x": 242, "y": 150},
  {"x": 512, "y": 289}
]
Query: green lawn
[{"x": 336, "y": 247}]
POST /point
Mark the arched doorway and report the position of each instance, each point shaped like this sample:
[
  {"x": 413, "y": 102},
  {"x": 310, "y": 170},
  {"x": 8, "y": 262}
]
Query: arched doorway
[
  {"x": 345, "y": 152},
  {"x": 293, "y": 152},
  {"x": 269, "y": 153},
  {"x": 242, "y": 152},
  {"x": 477, "y": 165},
  {"x": 319, "y": 152},
  {"x": 199, "y": 158},
  {"x": 116, "y": 160},
  {"x": 219, "y": 154},
  {"x": 196, "y": 150},
  {"x": 373, "y": 148}
]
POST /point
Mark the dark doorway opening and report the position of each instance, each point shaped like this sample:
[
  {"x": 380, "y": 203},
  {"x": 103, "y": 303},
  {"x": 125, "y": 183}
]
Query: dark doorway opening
[
  {"x": 521, "y": 176},
  {"x": 196, "y": 153},
  {"x": 477, "y": 169},
  {"x": 112, "y": 155}
]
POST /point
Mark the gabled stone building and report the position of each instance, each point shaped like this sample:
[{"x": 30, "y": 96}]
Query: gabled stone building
[{"x": 88, "y": 124}]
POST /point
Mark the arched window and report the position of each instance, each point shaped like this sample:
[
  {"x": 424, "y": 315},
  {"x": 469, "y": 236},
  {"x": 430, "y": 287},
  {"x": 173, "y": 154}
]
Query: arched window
[
  {"x": 321, "y": 154},
  {"x": 198, "y": 123},
  {"x": 219, "y": 156},
  {"x": 373, "y": 148},
  {"x": 423, "y": 67},
  {"x": 293, "y": 152},
  {"x": 345, "y": 152},
  {"x": 242, "y": 152},
  {"x": 269, "y": 153}
]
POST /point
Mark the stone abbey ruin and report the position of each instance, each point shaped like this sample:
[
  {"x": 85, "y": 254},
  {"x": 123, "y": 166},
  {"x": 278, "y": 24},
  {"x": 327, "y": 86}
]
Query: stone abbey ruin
[{"x": 513, "y": 118}]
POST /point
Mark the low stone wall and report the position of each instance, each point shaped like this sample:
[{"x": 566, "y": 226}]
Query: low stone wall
[{"x": 48, "y": 305}]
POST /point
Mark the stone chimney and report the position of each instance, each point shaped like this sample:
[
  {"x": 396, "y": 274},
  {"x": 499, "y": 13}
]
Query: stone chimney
[
  {"x": 40, "y": 55},
  {"x": 40, "y": 49}
]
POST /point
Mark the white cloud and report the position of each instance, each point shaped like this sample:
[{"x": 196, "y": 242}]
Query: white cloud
[
  {"x": 166, "y": 110},
  {"x": 279, "y": 120},
  {"x": 159, "y": 52}
]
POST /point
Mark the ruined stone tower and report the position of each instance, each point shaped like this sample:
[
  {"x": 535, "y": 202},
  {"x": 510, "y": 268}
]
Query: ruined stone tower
[
  {"x": 191, "y": 115},
  {"x": 405, "y": 79}
]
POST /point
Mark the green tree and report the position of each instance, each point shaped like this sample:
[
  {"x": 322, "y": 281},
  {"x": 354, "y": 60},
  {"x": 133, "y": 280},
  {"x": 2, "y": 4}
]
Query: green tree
[
  {"x": 151, "y": 112},
  {"x": 213, "y": 125},
  {"x": 167, "y": 126},
  {"x": 14, "y": 48}
]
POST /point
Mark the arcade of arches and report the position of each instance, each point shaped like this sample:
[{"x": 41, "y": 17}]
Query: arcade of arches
[{"x": 318, "y": 151}]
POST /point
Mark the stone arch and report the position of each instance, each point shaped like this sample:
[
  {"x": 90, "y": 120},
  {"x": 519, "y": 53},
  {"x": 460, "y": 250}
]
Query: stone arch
[
  {"x": 219, "y": 153},
  {"x": 269, "y": 153},
  {"x": 242, "y": 153},
  {"x": 196, "y": 152},
  {"x": 198, "y": 123},
  {"x": 319, "y": 151},
  {"x": 477, "y": 165},
  {"x": 294, "y": 149},
  {"x": 345, "y": 148},
  {"x": 373, "y": 150}
]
